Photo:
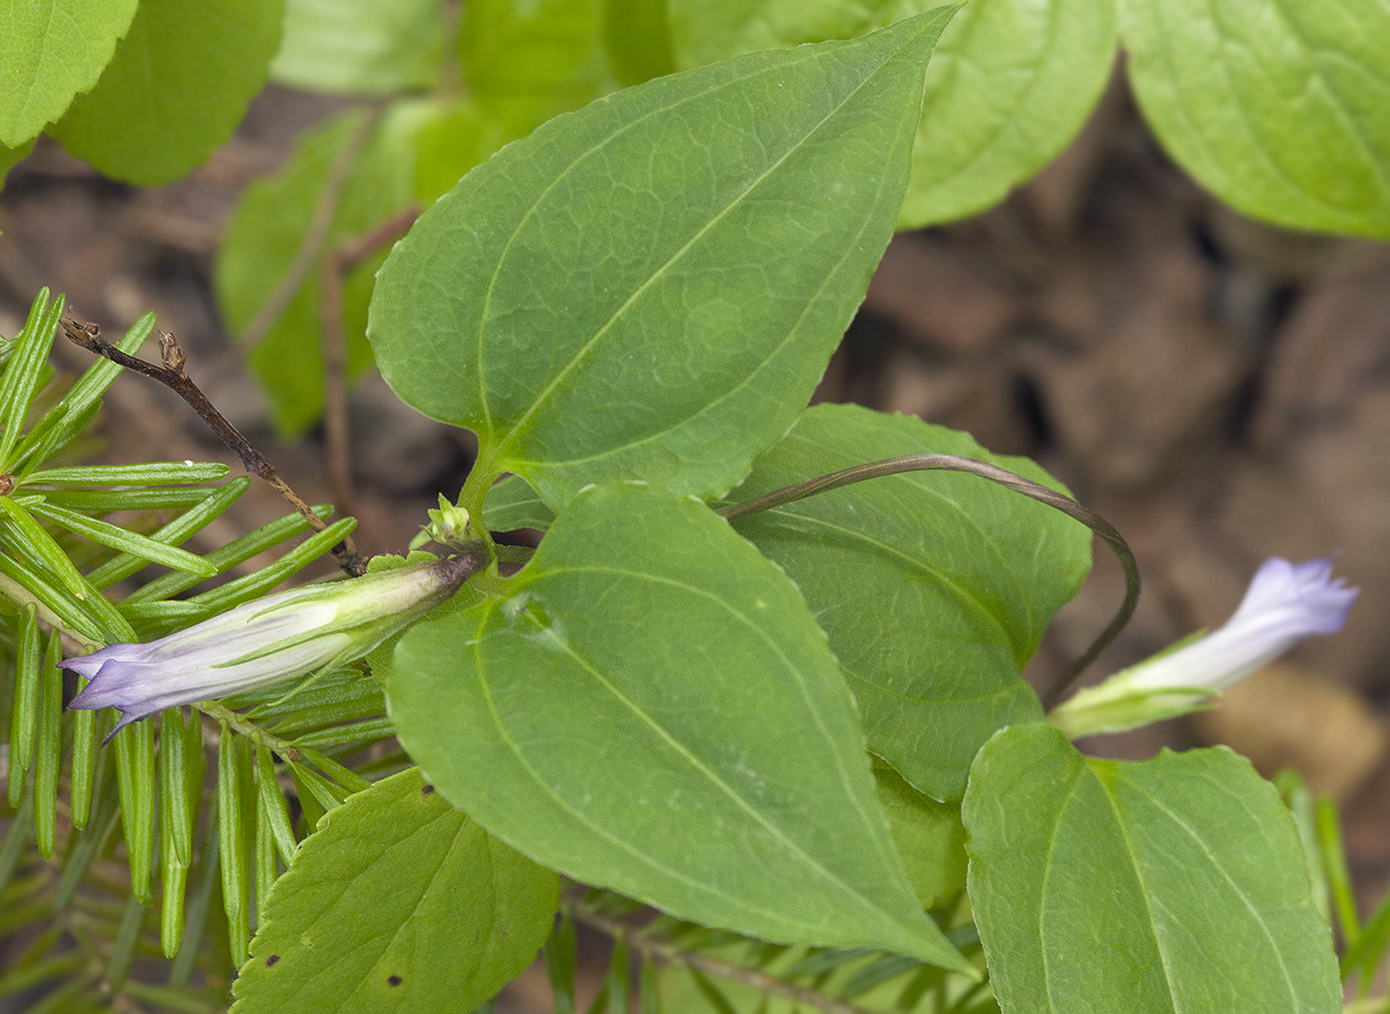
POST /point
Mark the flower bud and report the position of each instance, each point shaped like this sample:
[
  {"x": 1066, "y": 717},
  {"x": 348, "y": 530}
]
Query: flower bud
[
  {"x": 1284, "y": 604},
  {"x": 266, "y": 640}
]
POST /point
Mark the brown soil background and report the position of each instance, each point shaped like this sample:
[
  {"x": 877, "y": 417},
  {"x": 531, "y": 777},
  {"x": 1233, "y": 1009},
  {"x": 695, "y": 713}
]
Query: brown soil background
[{"x": 1218, "y": 389}]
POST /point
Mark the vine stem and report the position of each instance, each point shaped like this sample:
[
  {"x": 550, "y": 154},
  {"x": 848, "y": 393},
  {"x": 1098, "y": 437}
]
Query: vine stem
[
  {"x": 672, "y": 955},
  {"x": 1107, "y": 532}
]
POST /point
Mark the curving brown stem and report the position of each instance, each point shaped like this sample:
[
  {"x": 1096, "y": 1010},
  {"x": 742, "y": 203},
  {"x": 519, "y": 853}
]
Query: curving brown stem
[{"x": 1036, "y": 491}]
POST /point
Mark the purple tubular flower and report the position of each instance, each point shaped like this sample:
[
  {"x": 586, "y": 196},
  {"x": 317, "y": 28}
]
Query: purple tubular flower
[
  {"x": 266, "y": 640},
  {"x": 1285, "y": 603}
]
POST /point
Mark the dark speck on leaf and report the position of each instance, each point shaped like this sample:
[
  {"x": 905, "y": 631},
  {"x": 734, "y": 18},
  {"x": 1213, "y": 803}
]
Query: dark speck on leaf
[
  {"x": 393, "y": 980},
  {"x": 270, "y": 961},
  {"x": 427, "y": 789}
]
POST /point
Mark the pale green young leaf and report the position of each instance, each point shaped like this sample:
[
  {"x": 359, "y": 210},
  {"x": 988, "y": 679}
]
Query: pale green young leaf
[
  {"x": 526, "y": 60},
  {"x": 928, "y": 836},
  {"x": 397, "y": 902},
  {"x": 51, "y": 50},
  {"x": 619, "y": 695},
  {"x": 673, "y": 264},
  {"x": 234, "y": 846},
  {"x": 1281, "y": 110},
  {"x": 934, "y": 587},
  {"x": 360, "y": 47},
  {"x": 1172, "y": 884},
  {"x": 1010, "y": 84},
  {"x": 176, "y": 88}
]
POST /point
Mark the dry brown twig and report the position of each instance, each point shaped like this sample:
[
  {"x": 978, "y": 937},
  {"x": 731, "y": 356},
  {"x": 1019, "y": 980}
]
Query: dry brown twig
[{"x": 173, "y": 376}]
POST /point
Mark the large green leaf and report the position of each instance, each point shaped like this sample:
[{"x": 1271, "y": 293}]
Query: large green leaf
[
  {"x": 362, "y": 47},
  {"x": 176, "y": 88},
  {"x": 265, "y": 236},
  {"x": 934, "y": 587},
  {"x": 1172, "y": 884},
  {"x": 526, "y": 60},
  {"x": 1280, "y": 109},
  {"x": 651, "y": 287},
  {"x": 400, "y": 903},
  {"x": 1010, "y": 84},
  {"x": 649, "y": 706},
  {"x": 51, "y": 50}
]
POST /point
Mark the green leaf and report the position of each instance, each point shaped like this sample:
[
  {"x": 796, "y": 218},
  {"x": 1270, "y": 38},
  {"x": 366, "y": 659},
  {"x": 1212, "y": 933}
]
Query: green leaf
[
  {"x": 1172, "y": 884},
  {"x": 1010, "y": 85},
  {"x": 176, "y": 88},
  {"x": 360, "y": 47},
  {"x": 512, "y": 503},
  {"x": 51, "y": 50},
  {"x": 934, "y": 587},
  {"x": 673, "y": 265},
  {"x": 276, "y": 218},
  {"x": 1278, "y": 109},
  {"x": 524, "y": 61},
  {"x": 621, "y": 698},
  {"x": 397, "y": 903},
  {"x": 928, "y": 835}
]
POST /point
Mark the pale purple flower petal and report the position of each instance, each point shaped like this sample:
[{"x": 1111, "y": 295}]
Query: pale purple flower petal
[
  {"x": 1284, "y": 604},
  {"x": 266, "y": 640}
]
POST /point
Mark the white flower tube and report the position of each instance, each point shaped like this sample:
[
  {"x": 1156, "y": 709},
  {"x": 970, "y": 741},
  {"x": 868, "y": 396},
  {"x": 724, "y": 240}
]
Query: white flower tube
[
  {"x": 265, "y": 640},
  {"x": 1285, "y": 603}
]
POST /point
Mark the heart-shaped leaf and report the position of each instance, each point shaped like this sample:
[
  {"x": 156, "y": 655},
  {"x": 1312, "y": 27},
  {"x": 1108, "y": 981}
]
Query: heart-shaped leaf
[
  {"x": 650, "y": 288},
  {"x": 649, "y": 706}
]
